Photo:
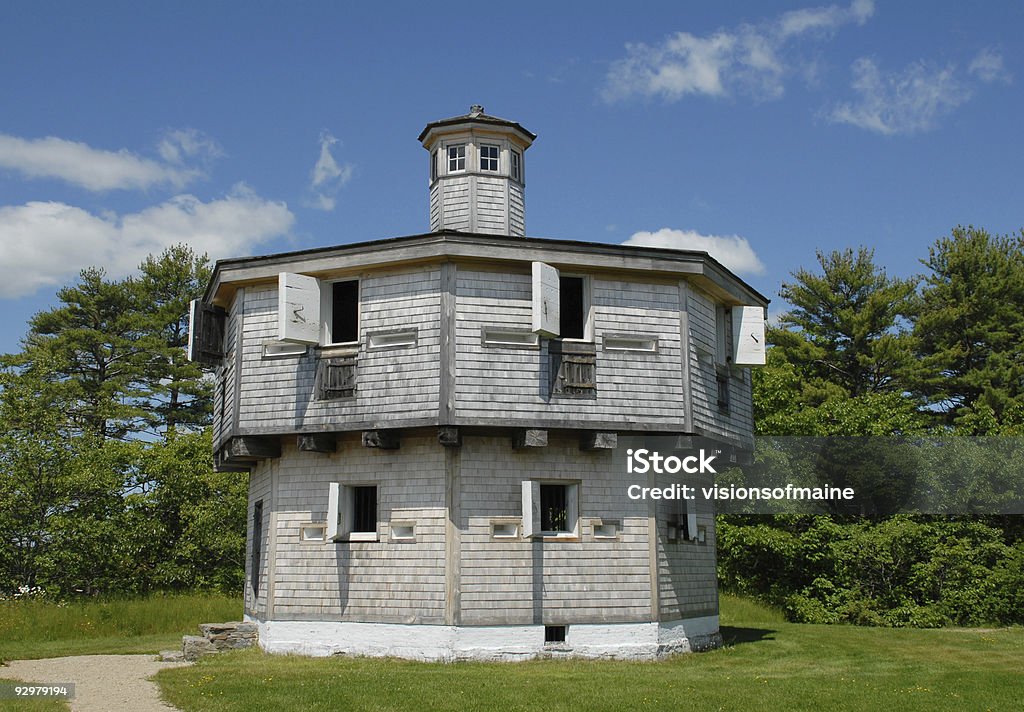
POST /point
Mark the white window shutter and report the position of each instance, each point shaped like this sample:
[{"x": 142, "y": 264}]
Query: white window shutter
[
  {"x": 531, "y": 508},
  {"x": 691, "y": 519},
  {"x": 333, "y": 511},
  {"x": 298, "y": 308},
  {"x": 545, "y": 300},
  {"x": 194, "y": 317},
  {"x": 748, "y": 336}
]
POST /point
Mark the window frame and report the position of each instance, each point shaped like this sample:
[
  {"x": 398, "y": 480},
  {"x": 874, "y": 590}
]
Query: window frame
[
  {"x": 450, "y": 158},
  {"x": 433, "y": 165},
  {"x": 482, "y": 156},
  {"x": 572, "y": 511},
  {"x": 342, "y": 499},
  {"x": 515, "y": 165}
]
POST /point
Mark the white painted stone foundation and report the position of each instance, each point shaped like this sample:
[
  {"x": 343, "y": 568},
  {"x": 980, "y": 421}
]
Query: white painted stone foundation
[{"x": 622, "y": 641}]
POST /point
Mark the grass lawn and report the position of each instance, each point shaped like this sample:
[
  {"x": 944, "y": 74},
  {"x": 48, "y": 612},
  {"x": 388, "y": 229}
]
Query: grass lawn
[
  {"x": 39, "y": 629},
  {"x": 767, "y": 664}
]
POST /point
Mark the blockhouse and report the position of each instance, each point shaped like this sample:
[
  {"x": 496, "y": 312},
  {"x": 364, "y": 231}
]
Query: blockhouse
[{"x": 435, "y": 427}]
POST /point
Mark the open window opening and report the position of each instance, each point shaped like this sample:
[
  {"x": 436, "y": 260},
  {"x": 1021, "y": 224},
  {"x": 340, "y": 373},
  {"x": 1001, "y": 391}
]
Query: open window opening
[
  {"x": 257, "y": 547},
  {"x": 555, "y": 633},
  {"x": 352, "y": 512},
  {"x": 344, "y": 322},
  {"x": 572, "y": 319},
  {"x": 550, "y": 509}
]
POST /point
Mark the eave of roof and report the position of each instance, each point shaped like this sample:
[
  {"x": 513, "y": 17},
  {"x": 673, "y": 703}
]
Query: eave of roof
[
  {"x": 497, "y": 248},
  {"x": 476, "y": 118}
]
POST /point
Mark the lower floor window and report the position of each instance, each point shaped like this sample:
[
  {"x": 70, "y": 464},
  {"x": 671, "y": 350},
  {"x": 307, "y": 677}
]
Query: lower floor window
[{"x": 550, "y": 508}]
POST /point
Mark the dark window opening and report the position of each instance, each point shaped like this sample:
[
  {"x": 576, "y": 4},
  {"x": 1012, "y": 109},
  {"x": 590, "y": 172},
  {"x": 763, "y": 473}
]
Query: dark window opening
[
  {"x": 345, "y": 312},
  {"x": 516, "y": 171},
  {"x": 257, "y": 547},
  {"x": 433, "y": 165},
  {"x": 364, "y": 509},
  {"x": 723, "y": 393},
  {"x": 571, "y": 320},
  {"x": 554, "y": 508},
  {"x": 555, "y": 633}
]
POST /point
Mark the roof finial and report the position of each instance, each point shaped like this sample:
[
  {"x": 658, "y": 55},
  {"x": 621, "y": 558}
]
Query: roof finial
[{"x": 476, "y": 110}]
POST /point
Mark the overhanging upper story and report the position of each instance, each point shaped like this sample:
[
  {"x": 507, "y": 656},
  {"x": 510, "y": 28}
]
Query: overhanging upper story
[{"x": 481, "y": 331}]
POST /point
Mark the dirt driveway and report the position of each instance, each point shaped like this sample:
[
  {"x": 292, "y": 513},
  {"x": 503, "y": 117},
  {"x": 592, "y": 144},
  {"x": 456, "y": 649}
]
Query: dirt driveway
[{"x": 103, "y": 683}]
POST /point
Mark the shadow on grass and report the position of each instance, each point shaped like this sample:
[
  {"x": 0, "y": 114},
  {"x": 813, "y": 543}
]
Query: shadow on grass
[{"x": 735, "y": 636}]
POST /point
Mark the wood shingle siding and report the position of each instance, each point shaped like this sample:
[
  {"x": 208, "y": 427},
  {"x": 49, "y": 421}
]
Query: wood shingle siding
[{"x": 279, "y": 395}]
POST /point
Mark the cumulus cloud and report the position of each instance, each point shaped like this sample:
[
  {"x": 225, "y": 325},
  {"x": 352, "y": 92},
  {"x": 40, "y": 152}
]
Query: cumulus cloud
[
  {"x": 750, "y": 59},
  {"x": 98, "y": 169},
  {"x": 904, "y": 102},
  {"x": 328, "y": 175},
  {"x": 732, "y": 251},
  {"x": 43, "y": 243}
]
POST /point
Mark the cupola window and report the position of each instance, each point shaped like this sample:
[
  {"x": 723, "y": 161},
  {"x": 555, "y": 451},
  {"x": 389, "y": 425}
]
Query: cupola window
[
  {"x": 457, "y": 158},
  {"x": 489, "y": 158}
]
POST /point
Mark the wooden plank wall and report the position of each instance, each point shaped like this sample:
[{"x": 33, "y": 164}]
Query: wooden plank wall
[
  {"x": 552, "y": 582},
  {"x": 392, "y": 384},
  {"x": 384, "y": 581},
  {"x": 494, "y": 383}
]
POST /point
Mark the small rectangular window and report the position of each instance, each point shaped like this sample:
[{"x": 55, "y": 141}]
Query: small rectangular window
[
  {"x": 555, "y": 633},
  {"x": 364, "y": 509},
  {"x": 345, "y": 312},
  {"x": 403, "y": 531},
  {"x": 504, "y": 530},
  {"x": 257, "y": 547},
  {"x": 489, "y": 158},
  {"x": 571, "y": 315},
  {"x": 554, "y": 508},
  {"x": 606, "y": 529},
  {"x": 516, "y": 170},
  {"x": 457, "y": 158},
  {"x": 433, "y": 165},
  {"x": 723, "y": 393}
]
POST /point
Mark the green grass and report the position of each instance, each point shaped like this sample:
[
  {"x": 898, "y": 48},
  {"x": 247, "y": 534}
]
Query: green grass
[
  {"x": 767, "y": 664},
  {"x": 39, "y": 629}
]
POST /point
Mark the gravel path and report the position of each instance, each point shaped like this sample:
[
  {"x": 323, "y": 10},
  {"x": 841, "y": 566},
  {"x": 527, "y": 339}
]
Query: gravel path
[{"x": 103, "y": 683}]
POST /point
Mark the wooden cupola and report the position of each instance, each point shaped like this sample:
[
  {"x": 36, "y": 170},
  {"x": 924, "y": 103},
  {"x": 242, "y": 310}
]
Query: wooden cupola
[{"x": 477, "y": 173}]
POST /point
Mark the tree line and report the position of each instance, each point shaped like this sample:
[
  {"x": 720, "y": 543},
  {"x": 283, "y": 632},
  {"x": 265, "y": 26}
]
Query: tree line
[
  {"x": 107, "y": 484},
  {"x": 860, "y": 354},
  {"x": 106, "y": 480}
]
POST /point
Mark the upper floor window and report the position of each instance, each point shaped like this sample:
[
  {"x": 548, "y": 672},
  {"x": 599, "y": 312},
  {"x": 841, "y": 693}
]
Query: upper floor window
[
  {"x": 457, "y": 158},
  {"x": 489, "y": 158},
  {"x": 572, "y": 311},
  {"x": 433, "y": 165},
  {"x": 516, "y": 169},
  {"x": 344, "y": 317}
]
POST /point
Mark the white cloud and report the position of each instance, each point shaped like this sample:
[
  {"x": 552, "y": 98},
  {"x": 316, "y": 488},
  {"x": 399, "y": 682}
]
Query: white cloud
[
  {"x": 328, "y": 176},
  {"x": 44, "y": 243},
  {"x": 732, "y": 251},
  {"x": 100, "y": 170},
  {"x": 987, "y": 66},
  {"x": 824, "y": 19},
  {"x": 179, "y": 145},
  {"x": 901, "y": 102},
  {"x": 748, "y": 59}
]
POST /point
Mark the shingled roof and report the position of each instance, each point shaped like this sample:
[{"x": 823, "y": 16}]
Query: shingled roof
[{"x": 476, "y": 115}]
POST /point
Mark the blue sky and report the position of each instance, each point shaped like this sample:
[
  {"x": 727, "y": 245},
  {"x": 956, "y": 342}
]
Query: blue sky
[{"x": 762, "y": 131}]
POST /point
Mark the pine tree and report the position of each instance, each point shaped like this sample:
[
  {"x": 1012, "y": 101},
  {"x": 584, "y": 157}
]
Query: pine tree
[{"x": 971, "y": 325}]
